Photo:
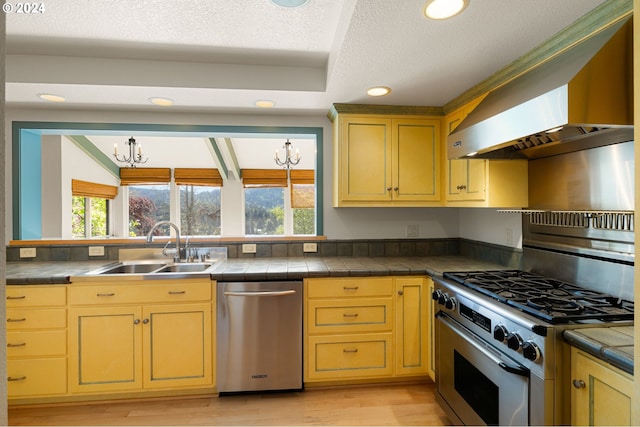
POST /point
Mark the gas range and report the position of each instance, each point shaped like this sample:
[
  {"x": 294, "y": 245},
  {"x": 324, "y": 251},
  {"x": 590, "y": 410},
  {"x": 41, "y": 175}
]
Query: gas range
[
  {"x": 551, "y": 300},
  {"x": 516, "y": 318}
]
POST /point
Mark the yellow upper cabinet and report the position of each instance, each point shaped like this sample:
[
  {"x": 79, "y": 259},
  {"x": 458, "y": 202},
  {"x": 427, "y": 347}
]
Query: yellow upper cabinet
[
  {"x": 386, "y": 160},
  {"x": 479, "y": 182}
]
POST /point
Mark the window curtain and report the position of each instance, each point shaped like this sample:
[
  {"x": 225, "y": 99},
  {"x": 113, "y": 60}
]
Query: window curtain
[
  {"x": 264, "y": 178},
  {"x": 92, "y": 189},
  {"x": 135, "y": 176},
  {"x": 194, "y": 176}
]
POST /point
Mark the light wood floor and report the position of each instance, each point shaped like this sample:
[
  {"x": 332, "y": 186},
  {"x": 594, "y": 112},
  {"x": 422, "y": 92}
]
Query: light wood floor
[{"x": 390, "y": 405}]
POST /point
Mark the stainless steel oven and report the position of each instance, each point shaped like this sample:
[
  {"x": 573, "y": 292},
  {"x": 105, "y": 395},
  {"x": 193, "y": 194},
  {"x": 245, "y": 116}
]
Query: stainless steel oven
[{"x": 484, "y": 385}]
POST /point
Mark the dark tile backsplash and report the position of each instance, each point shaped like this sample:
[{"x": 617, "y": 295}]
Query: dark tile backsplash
[{"x": 327, "y": 248}]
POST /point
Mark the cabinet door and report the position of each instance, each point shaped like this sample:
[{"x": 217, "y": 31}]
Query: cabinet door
[
  {"x": 365, "y": 159},
  {"x": 105, "y": 349},
  {"x": 476, "y": 182},
  {"x": 412, "y": 334},
  {"x": 604, "y": 398},
  {"x": 416, "y": 159},
  {"x": 177, "y": 345}
]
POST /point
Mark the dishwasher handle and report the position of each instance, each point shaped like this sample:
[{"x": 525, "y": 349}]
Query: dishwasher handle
[{"x": 260, "y": 293}]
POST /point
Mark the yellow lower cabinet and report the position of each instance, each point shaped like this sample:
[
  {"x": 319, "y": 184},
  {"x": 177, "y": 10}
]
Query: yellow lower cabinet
[
  {"x": 333, "y": 357},
  {"x": 105, "y": 349},
  {"x": 36, "y": 334},
  {"x": 177, "y": 346},
  {"x": 601, "y": 394},
  {"x": 36, "y": 377},
  {"x": 411, "y": 328}
]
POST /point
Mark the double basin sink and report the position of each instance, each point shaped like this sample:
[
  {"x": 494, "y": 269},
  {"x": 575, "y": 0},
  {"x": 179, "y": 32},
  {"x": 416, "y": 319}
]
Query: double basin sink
[{"x": 154, "y": 269}]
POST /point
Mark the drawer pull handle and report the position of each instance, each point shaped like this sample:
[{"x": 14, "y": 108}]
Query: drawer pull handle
[
  {"x": 350, "y": 350},
  {"x": 177, "y": 292},
  {"x": 17, "y": 378},
  {"x": 18, "y": 297},
  {"x": 106, "y": 295},
  {"x": 20, "y": 344},
  {"x": 579, "y": 384},
  {"x": 17, "y": 320},
  {"x": 350, "y": 288},
  {"x": 350, "y": 315}
]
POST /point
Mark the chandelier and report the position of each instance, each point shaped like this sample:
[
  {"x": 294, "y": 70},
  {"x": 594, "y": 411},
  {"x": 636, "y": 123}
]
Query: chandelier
[
  {"x": 289, "y": 160},
  {"x": 135, "y": 154}
]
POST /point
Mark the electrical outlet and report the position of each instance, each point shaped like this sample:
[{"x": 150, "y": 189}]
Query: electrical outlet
[
  {"x": 27, "y": 252},
  {"x": 249, "y": 248},
  {"x": 508, "y": 236},
  {"x": 413, "y": 230},
  {"x": 96, "y": 250},
  {"x": 310, "y": 247}
]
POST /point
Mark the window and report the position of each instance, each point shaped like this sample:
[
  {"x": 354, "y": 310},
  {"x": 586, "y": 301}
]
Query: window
[
  {"x": 303, "y": 197},
  {"x": 264, "y": 211},
  {"x": 148, "y": 204},
  {"x": 199, "y": 210},
  {"x": 90, "y": 213}
]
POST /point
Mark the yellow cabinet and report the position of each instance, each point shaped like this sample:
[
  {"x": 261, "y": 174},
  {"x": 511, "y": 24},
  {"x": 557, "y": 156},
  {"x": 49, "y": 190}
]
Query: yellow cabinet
[
  {"x": 483, "y": 183},
  {"x": 411, "y": 328},
  {"x": 36, "y": 325},
  {"x": 601, "y": 394},
  {"x": 366, "y": 328},
  {"x": 141, "y": 344},
  {"x": 386, "y": 160}
]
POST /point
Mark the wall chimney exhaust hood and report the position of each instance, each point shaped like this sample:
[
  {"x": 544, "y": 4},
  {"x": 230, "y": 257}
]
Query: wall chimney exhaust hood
[{"x": 586, "y": 91}]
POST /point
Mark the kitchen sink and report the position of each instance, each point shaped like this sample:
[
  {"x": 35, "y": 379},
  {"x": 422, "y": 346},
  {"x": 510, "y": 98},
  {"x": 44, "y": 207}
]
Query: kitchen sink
[
  {"x": 184, "y": 268},
  {"x": 130, "y": 268}
]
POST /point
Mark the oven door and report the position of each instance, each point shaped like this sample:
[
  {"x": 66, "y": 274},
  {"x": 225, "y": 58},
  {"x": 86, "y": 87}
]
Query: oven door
[{"x": 476, "y": 384}]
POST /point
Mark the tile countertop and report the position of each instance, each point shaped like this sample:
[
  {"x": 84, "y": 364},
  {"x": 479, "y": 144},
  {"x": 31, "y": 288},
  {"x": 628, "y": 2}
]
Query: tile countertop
[
  {"x": 613, "y": 344},
  {"x": 21, "y": 273}
]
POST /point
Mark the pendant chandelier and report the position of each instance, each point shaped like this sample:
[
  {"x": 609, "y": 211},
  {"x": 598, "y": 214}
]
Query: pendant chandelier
[
  {"x": 135, "y": 154},
  {"x": 289, "y": 160}
]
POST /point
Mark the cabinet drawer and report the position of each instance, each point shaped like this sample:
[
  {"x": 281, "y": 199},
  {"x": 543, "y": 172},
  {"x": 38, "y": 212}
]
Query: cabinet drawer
[
  {"x": 350, "y": 287},
  {"x": 167, "y": 291},
  {"x": 349, "y": 356},
  {"x": 37, "y": 343},
  {"x": 36, "y": 296},
  {"x": 349, "y": 315},
  {"x": 35, "y": 377},
  {"x": 36, "y": 318}
]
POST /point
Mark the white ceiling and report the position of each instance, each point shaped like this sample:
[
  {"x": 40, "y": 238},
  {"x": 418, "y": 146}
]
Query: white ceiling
[{"x": 223, "y": 55}]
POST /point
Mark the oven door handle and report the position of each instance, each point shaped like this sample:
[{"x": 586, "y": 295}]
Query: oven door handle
[{"x": 472, "y": 339}]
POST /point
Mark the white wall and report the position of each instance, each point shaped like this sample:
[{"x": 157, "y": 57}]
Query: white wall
[
  {"x": 339, "y": 223},
  {"x": 489, "y": 225}
]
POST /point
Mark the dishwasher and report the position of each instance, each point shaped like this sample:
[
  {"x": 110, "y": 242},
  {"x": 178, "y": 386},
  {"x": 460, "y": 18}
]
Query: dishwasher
[{"x": 259, "y": 336}]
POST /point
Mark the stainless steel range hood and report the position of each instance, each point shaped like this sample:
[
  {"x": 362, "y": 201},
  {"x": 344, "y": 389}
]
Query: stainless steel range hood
[{"x": 587, "y": 90}]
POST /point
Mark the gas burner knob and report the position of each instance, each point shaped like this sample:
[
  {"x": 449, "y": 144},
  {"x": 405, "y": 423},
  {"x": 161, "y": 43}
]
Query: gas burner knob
[
  {"x": 442, "y": 300},
  {"x": 450, "y": 304},
  {"x": 436, "y": 295},
  {"x": 531, "y": 351},
  {"x": 500, "y": 333},
  {"x": 514, "y": 342}
]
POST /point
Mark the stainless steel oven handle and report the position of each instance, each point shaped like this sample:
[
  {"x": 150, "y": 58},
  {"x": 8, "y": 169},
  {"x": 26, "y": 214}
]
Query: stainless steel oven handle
[{"x": 479, "y": 345}]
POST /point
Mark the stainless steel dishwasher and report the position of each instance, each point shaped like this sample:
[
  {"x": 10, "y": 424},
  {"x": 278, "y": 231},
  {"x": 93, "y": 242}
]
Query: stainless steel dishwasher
[{"x": 259, "y": 336}]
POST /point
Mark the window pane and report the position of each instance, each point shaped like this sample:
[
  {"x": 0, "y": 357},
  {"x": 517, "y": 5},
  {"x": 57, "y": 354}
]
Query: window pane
[
  {"x": 304, "y": 221},
  {"x": 199, "y": 210},
  {"x": 99, "y": 217},
  {"x": 303, "y": 198},
  {"x": 77, "y": 217},
  {"x": 264, "y": 210},
  {"x": 148, "y": 204}
]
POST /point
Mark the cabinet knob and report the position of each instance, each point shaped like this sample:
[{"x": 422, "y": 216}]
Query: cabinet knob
[
  {"x": 579, "y": 384},
  {"x": 145, "y": 321},
  {"x": 400, "y": 293},
  {"x": 136, "y": 321},
  {"x": 388, "y": 188},
  {"x": 395, "y": 189}
]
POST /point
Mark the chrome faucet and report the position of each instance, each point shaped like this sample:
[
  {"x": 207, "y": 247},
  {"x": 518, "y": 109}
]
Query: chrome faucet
[{"x": 176, "y": 256}]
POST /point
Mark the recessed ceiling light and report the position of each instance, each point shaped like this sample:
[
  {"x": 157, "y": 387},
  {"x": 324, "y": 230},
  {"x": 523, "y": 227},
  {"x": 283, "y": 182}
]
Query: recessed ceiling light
[
  {"x": 51, "y": 98},
  {"x": 163, "y": 102},
  {"x": 265, "y": 103},
  {"x": 443, "y": 9},
  {"x": 378, "y": 91},
  {"x": 290, "y": 3}
]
